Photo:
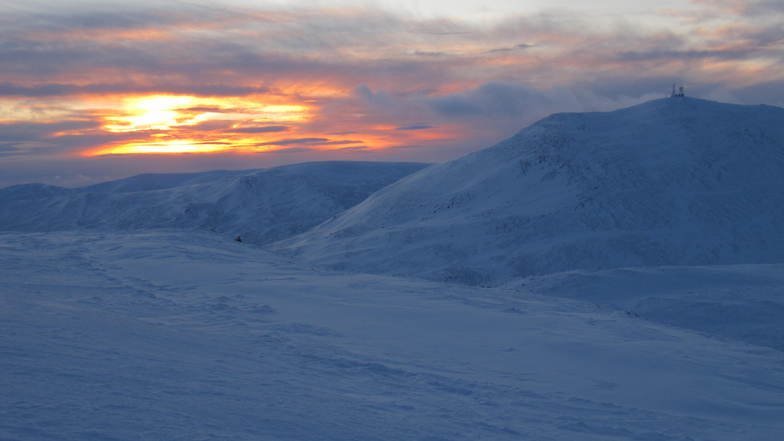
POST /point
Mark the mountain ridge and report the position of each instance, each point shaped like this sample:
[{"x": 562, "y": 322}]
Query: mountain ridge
[
  {"x": 667, "y": 182},
  {"x": 261, "y": 205}
]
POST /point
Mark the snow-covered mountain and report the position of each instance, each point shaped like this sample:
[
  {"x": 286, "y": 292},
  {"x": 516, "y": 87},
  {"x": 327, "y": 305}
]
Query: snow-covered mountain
[
  {"x": 677, "y": 181},
  {"x": 109, "y": 327},
  {"x": 260, "y": 205}
]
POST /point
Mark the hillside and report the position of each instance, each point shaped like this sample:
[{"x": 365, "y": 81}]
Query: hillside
[
  {"x": 738, "y": 302},
  {"x": 677, "y": 181},
  {"x": 175, "y": 335},
  {"x": 260, "y": 205}
]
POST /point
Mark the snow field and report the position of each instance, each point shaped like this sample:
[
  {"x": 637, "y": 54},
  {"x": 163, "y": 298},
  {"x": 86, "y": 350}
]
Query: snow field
[{"x": 171, "y": 335}]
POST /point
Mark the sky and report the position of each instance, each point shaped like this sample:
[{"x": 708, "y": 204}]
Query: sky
[{"x": 93, "y": 91}]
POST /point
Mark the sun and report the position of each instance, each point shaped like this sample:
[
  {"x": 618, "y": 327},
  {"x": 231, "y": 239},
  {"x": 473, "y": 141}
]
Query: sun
[
  {"x": 167, "y": 112},
  {"x": 157, "y": 112}
]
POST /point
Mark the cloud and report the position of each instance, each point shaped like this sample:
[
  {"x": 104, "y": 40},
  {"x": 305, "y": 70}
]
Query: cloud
[
  {"x": 747, "y": 8},
  {"x": 286, "y": 151},
  {"x": 60, "y": 89},
  {"x": 264, "y": 129},
  {"x": 363, "y": 71},
  {"x": 357, "y": 148},
  {"x": 489, "y": 100},
  {"x": 94, "y": 18},
  {"x": 516, "y": 47},
  {"x": 663, "y": 54},
  {"x": 429, "y": 53},
  {"x": 764, "y": 7},
  {"x": 8, "y": 149},
  {"x": 292, "y": 141},
  {"x": 618, "y": 88},
  {"x": 769, "y": 92},
  {"x": 215, "y": 125},
  {"x": 212, "y": 52},
  {"x": 31, "y": 131},
  {"x": 342, "y": 142},
  {"x": 415, "y": 127},
  {"x": 311, "y": 141}
]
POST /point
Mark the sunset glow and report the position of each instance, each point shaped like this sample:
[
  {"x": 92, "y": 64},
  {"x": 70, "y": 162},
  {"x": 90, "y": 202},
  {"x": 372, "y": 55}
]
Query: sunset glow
[
  {"x": 163, "y": 112},
  {"x": 183, "y": 146},
  {"x": 171, "y": 124},
  {"x": 177, "y": 124},
  {"x": 252, "y": 85},
  {"x": 154, "y": 113}
]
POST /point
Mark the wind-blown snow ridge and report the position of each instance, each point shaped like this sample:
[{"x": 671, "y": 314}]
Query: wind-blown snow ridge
[
  {"x": 260, "y": 205},
  {"x": 677, "y": 181}
]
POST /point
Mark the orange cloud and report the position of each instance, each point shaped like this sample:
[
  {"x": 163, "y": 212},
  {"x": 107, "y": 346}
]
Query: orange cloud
[
  {"x": 176, "y": 124},
  {"x": 107, "y": 35}
]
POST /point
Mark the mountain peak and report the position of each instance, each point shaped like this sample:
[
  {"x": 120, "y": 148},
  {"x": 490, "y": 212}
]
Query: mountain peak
[{"x": 667, "y": 182}]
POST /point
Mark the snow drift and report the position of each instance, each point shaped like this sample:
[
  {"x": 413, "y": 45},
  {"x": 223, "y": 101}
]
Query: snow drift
[
  {"x": 677, "y": 181},
  {"x": 739, "y": 302},
  {"x": 260, "y": 205}
]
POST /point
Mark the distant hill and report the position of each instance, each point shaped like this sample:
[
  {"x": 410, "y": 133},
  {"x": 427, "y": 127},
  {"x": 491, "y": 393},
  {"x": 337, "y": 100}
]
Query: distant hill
[
  {"x": 260, "y": 205},
  {"x": 677, "y": 181}
]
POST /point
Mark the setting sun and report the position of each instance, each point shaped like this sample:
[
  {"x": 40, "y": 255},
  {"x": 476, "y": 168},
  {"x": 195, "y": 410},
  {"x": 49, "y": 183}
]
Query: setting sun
[
  {"x": 171, "y": 124},
  {"x": 165, "y": 112},
  {"x": 153, "y": 113}
]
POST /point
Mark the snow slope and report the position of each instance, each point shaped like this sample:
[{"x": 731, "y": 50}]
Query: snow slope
[
  {"x": 677, "y": 181},
  {"x": 261, "y": 205},
  {"x": 190, "y": 336},
  {"x": 739, "y": 302}
]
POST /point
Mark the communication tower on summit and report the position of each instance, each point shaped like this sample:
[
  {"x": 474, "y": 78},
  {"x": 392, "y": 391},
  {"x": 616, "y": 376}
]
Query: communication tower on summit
[{"x": 679, "y": 93}]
